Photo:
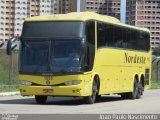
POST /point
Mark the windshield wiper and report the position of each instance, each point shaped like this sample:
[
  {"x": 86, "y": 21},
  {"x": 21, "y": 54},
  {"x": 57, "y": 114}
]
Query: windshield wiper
[
  {"x": 49, "y": 58},
  {"x": 41, "y": 63}
]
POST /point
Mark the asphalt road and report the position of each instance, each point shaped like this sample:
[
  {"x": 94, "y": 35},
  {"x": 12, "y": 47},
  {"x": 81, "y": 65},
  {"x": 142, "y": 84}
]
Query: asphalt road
[{"x": 149, "y": 103}]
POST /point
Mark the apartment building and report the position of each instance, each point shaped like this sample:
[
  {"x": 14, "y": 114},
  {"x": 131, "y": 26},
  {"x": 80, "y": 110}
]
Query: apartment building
[
  {"x": 46, "y": 7},
  {"x": 25, "y": 8},
  {"x": 106, "y": 7},
  {"x": 13, "y": 13},
  {"x": 72, "y": 5},
  {"x": 61, "y": 6},
  {"x": 142, "y": 13},
  {"x": 145, "y": 13},
  {"x": 6, "y": 19},
  {"x": 152, "y": 20},
  {"x": 33, "y": 8},
  {"x": 20, "y": 14}
]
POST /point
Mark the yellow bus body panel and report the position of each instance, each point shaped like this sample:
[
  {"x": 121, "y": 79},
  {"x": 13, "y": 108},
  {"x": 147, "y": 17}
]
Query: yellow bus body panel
[
  {"x": 116, "y": 74},
  {"x": 82, "y": 89},
  {"x": 116, "y": 68}
]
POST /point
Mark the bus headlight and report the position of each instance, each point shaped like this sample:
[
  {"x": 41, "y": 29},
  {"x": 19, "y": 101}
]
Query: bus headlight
[
  {"x": 74, "y": 82},
  {"x": 24, "y": 82}
]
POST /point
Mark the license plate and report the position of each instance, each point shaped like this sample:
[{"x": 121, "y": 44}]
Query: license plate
[{"x": 47, "y": 90}]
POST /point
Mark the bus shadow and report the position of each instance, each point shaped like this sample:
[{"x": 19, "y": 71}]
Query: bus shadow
[
  {"x": 64, "y": 101},
  {"x": 109, "y": 98},
  {"x": 18, "y": 101},
  {"x": 80, "y": 101}
]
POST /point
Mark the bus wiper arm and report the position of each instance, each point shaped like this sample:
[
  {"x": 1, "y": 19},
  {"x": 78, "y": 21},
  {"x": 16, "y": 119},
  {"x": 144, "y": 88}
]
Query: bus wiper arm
[{"x": 37, "y": 68}]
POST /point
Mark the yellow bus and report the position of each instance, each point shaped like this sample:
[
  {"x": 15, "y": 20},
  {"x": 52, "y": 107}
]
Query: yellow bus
[{"x": 82, "y": 54}]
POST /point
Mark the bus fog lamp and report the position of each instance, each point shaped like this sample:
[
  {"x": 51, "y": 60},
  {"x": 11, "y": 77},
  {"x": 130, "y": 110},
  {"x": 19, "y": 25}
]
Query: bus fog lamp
[
  {"x": 24, "y": 82},
  {"x": 74, "y": 82}
]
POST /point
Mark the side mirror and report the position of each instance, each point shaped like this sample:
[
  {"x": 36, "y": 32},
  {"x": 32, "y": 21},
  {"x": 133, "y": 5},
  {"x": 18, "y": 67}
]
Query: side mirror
[
  {"x": 1, "y": 43},
  {"x": 11, "y": 45}
]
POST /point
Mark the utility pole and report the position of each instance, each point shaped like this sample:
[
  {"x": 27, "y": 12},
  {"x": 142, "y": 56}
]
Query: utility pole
[{"x": 11, "y": 57}]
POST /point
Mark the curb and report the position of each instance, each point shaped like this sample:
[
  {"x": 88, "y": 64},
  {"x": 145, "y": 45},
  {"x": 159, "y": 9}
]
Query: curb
[{"x": 9, "y": 93}]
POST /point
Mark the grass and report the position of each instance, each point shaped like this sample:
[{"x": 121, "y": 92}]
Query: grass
[
  {"x": 9, "y": 88},
  {"x": 6, "y": 84},
  {"x": 155, "y": 85}
]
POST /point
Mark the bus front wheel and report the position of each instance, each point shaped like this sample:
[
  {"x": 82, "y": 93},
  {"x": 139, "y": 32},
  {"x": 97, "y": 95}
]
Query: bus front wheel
[
  {"x": 40, "y": 99},
  {"x": 91, "y": 99}
]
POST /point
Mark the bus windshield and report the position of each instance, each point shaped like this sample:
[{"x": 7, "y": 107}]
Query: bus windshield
[{"x": 54, "y": 56}]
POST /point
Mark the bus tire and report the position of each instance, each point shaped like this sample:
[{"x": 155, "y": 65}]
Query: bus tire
[
  {"x": 91, "y": 99},
  {"x": 98, "y": 97},
  {"x": 40, "y": 99},
  {"x": 140, "y": 90},
  {"x": 133, "y": 95}
]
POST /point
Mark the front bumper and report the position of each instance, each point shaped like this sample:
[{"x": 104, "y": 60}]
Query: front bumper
[
  {"x": 55, "y": 88},
  {"x": 52, "y": 90}
]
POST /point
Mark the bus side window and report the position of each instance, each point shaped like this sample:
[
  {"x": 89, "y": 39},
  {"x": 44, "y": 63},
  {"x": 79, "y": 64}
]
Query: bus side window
[
  {"x": 146, "y": 42},
  {"x": 90, "y": 32},
  {"x": 90, "y": 45},
  {"x": 127, "y": 38},
  {"x": 118, "y": 33},
  {"x": 110, "y": 36},
  {"x": 143, "y": 42},
  {"x": 101, "y": 34},
  {"x": 133, "y": 40},
  {"x": 89, "y": 58}
]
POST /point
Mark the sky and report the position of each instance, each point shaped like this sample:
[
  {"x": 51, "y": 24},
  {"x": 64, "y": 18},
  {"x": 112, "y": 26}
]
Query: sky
[
  {"x": 123, "y": 9},
  {"x": 78, "y": 6}
]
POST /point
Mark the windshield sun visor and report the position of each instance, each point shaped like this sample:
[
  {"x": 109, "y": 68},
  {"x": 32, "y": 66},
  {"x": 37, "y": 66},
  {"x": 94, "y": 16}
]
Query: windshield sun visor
[{"x": 52, "y": 29}]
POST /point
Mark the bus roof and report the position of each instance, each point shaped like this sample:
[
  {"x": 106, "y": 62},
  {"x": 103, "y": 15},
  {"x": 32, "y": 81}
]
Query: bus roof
[{"x": 82, "y": 16}]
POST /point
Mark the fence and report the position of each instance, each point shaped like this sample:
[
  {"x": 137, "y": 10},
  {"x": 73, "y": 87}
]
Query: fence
[
  {"x": 156, "y": 71},
  {"x": 8, "y": 71}
]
